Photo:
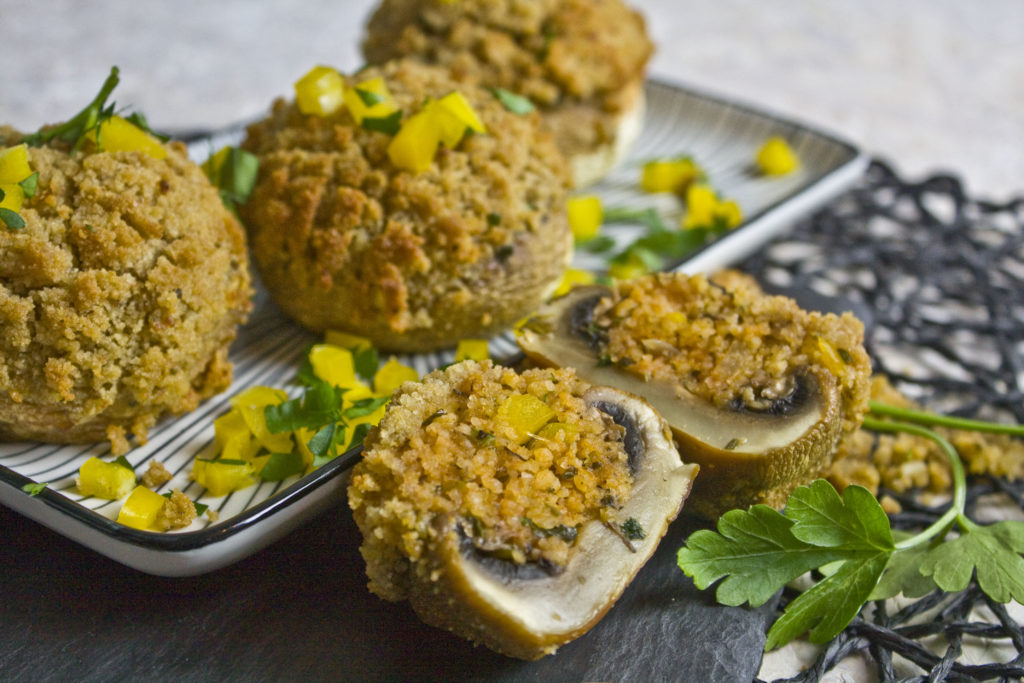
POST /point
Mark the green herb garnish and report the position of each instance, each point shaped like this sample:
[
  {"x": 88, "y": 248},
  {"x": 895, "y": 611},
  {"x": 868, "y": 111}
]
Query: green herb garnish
[
  {"x": 123, "y": 462},
  {"x": 35, "y": 488},
  {"x": 389, "y": 124},
  {"x": 234, "y": 174},
  {"x": 281, "y": 466},
  {"x": 29, "y": 185},
  {"x": 75, "y": 129},
  {"x": 366, "y": 361},
  {"x": 566, "y": 533},
  {"x": 369, "y": 98},
  {"x": 758, "y": 551},
  {"x": 517, "y": 104},
  {"x": 633, "y": 530},
  {"x": 493, "y": 219},
  {"x": 10, "y": 218}
]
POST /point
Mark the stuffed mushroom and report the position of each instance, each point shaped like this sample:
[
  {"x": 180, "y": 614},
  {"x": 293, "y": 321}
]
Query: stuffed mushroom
[
  {"x": 361, "y": 221},
  {"x": 123, "y": 279},
  {"x": 581, "y": 62},
  {"x": 513, "y": 509},
  {"x": 757, "y": 391}
]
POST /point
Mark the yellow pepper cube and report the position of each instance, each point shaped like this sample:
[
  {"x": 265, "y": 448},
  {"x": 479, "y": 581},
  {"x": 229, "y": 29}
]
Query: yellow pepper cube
[
  {"x": 221, "y": 477},
  {"x": 373, "y": 418},
  {"x": 830, "y": 357},
  {"x": 585, "y": 216},
  {"x": 668, "y": 175},
  {"x": 13, "y": 198},
  {"x": 572, "y": 277},
  {"x": 701, "y": 202},
  {"x": 392, "y": 375},
  {"x": 414, "y": 146},
  {"x": 776, "y": 157},
  {"x": 551, "y": 430},
  {"x": 730, "y": 212},
  {"x": 472, "y": 349},
  {"x": 141, "y": 508},
  {"x": 346, "y": 340},
  {"x": 14, "y": 166},
  {"x": 334, "y": 365},
  {"x": 454, "y": 115},
  {"x": 321, "y": 92},
  {"x": 232, "y": 437},
  {"x": 120, "y": 135},
  {"x": 103, "y": 479},
  {"x": 526, "y": 414},
  {"x": 374, "y": 90},
  {"x": 251, "y": 404}
]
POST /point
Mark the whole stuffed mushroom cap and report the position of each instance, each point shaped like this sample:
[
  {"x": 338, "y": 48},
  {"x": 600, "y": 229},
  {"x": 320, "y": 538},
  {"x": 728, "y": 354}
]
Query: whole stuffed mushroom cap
[
  {"x": 581, "y": 62},
  {"x": 344, "y": 239},
  {"x": 120, "y": 295}
]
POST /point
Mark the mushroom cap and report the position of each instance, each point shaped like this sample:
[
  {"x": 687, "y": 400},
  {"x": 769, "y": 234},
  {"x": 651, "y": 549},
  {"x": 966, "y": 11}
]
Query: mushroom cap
[{"x": 745, "y": 456}]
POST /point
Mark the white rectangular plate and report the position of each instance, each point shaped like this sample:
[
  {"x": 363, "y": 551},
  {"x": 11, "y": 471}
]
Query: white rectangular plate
[{"x": 722, "y": 136}]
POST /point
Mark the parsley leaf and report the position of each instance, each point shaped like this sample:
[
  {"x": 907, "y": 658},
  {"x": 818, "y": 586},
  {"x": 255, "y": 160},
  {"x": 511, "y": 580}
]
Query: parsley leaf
[
  {"x": 123, "y": 462},
  {"x": 828, "y": 606},
  {"x": 993, "y": 551},
  {"x": 369, "y": 98},
  {"x": 282, "y": 465},
  {"x": 30, "y": 184},
  {"x": 75, "y": 129},
  {"x": 389, "y": 124},
  {"x": 517, "y": 104},
  {"x": 318, "y": 405},
  {"x": 755, "y": 550},
  {"x": 11, "y": 219},
  {"x": 366, "y": 361},
  {"x": 855, "y": 522},
  {"x": 35, "y": 488},
  {"x": 903, "y": 575}
]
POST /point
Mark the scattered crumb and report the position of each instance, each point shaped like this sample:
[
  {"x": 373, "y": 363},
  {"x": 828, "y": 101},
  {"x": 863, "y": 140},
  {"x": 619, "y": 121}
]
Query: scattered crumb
[
  {"x": 156, "y": 476},
  {"x": 178, "y": 512}
]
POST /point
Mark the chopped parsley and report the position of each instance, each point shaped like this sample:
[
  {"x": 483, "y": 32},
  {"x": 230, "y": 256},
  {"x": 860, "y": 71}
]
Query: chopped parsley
[
  {"x": 517, "y": 104},
  {"x": 389, "y": 124},
  {"x": 35, "y": 488}
]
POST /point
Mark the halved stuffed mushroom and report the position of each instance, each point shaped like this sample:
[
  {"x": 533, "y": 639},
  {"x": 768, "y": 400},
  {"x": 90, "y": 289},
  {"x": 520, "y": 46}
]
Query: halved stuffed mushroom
[
  {"x": 757, "y": 390},
  {"x": 514, "y": 509}
]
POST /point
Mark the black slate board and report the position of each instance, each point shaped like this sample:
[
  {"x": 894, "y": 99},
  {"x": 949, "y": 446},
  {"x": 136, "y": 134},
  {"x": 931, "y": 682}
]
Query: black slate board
[{"x": 300, "y": 610}]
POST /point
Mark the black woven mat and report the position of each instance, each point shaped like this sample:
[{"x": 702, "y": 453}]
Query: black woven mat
[{"x": 941, "y": 278}]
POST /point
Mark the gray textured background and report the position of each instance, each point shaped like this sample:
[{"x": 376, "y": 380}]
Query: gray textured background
[{"x": 929, "y": 84}]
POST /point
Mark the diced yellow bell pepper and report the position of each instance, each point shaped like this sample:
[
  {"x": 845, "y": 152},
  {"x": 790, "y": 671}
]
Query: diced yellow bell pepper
[
  {"x": 704, "y": 209},
  {"x": 373, "y": 418},
  {"x": 14, "y": 166},
  {"x": 572, "y": 277},
  {"x": 830, "y": 357},
  {"x": 221, "y": 477},
  {"x": 211, "y": 167},
  {"x": 251, "y": 404},
  {"x": 232, "y": 436},
  {"x": 472, "y": 349},
  {"x": 103, "y": 479},
  {"x": 360, "y": 110},
  {"x": 334, "y": 365},
  {"x": 392, "y": 375},
  {"x": 120, "y": 135},
  {"x": 454, "y": 115},
  {"x": 414, "y": 146},
  {"x": 141, "y": 508},
  {"x": 14, "y": 197},
  {"x": 302, "y": 437},
  {"x": 551, "y": 430},
  {"x": 585, "y": 216},
  {"x": 321, "y": 92},
  {"x": 776, "y": 157},
  {"x": 526, "y": 414},
  {"x": 628, "y": 269},
  {"x": 346, "y": 340},
  {"x": 668, "y": 175}
]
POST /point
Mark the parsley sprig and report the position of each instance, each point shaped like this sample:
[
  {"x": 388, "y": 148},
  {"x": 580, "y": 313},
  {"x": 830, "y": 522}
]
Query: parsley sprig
[
  {"x": 756, "y": 552},
  {"x": 75, "y": 129}
]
